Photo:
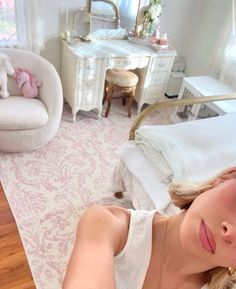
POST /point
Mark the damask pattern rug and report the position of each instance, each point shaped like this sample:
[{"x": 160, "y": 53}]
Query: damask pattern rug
[{"x": 48, "y": 189}]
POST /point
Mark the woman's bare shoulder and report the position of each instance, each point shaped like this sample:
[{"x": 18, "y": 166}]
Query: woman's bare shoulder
[
  {"x": 118, "y": 213},
  {"x": 123, "y": 217},
  {"x": 122, "y": 214},
  {"x": 107, "y": 221}
]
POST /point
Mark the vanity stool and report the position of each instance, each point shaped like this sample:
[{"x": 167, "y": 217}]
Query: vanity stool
[{"x": 120, "y": 81}]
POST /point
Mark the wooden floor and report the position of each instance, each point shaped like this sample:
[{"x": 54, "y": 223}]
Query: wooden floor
[{"x": 14, "y": 268}]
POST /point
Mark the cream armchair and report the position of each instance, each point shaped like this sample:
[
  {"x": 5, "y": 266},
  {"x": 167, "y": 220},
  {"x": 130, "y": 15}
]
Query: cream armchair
[{"x": 28, "y": 123}]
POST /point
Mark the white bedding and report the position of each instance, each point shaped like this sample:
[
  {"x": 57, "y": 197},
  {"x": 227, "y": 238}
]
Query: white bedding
[
  {"x": 145, "y": 184},
  {"x": 135, "y": 176},
  {"x": 194, "y": 151}
]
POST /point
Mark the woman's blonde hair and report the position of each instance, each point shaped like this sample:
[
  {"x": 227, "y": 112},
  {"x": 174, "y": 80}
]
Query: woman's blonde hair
[{"x": 182, "y": 196}]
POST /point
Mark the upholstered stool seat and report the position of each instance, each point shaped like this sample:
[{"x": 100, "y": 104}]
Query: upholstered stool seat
[{"x": 121, "y": 81}]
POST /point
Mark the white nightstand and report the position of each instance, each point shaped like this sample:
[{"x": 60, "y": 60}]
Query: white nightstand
[{"x": 203, "y": 86}]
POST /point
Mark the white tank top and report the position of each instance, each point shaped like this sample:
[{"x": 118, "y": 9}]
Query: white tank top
[{"x": 131, "y": 264}]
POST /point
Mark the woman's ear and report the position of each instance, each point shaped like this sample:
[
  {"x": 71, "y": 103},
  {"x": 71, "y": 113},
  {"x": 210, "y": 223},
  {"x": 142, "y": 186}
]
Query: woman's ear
[{"x": 228, "y": 174}]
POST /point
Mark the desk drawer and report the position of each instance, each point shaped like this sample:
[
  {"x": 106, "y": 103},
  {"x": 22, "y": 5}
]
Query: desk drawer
[
  {"x": 88, "y": 97},
  {"x": 90, "y": 67},
  {"x": 128, "y": 62},
  {"x": 87, "y": 100},
  {"x": 89, "y": 84},
  {"x": 161, "y": 64},
  {"x": 158, "y": 79},
  {"x": 154, "y": 95}
]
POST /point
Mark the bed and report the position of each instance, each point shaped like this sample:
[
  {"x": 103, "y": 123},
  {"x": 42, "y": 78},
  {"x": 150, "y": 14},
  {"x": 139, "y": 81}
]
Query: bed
[{"x": 148, "y": 162}]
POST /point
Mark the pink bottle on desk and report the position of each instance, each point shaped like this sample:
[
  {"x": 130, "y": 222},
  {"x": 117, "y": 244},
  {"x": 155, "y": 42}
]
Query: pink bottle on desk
[
  {"x": 155, "y": 38},
  {"x": 164, "y": 40}
]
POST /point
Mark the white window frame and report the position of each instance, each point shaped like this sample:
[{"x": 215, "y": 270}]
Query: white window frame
[
  {"x": 29, "y": 26},
  {"x": 21, "y": 40},
  {"x": 20, "y": 23}
]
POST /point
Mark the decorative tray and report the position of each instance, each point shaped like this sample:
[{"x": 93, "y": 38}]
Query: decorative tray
[
  {"x": 141, "y": 40},
  {"x": 162, "y": 48}
]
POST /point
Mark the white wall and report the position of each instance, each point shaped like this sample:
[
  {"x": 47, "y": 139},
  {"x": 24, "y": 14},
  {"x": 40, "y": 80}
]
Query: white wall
[
  {"x": 205, "y": 35},
  {"x": 177, "y": 19},
  {"x": 54, "y": 22},
  {"x": 194, "y": 28}
]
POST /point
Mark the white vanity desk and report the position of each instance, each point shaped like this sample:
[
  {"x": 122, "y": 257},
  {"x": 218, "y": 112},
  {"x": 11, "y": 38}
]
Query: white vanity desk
[{"x": 84, "y": 68}]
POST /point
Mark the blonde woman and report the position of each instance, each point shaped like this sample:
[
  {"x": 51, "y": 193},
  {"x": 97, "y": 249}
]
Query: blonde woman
[{"x": 116, "y": 248}]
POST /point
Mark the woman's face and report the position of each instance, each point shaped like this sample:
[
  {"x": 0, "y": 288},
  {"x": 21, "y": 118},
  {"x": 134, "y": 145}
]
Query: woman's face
[{"x": 209, "y": 227}]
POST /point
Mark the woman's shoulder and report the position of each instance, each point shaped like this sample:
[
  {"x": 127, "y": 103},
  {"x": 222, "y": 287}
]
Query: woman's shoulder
[
  {"x": 108, "y": 214},
  {"x": 110, "y": 221},
  {"x": 120, "y": 213}
]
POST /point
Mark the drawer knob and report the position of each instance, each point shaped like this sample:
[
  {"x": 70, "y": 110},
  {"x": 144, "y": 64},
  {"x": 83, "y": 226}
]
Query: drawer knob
[{"x": 90, "y": 67}]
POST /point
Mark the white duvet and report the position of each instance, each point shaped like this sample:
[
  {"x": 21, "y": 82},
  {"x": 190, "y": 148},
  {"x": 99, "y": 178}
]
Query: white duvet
[{"x": 190, "y": 152}]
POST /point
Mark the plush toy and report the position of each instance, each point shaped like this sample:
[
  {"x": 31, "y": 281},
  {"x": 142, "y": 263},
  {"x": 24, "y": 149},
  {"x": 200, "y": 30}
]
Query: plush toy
[
  {"x": 27, "y": 82},
  {"x": 5, "y": 69}
]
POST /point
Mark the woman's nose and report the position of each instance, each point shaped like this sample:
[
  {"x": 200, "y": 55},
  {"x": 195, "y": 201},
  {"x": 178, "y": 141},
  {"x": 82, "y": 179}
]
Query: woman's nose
[{"x": 228, "y": 232}]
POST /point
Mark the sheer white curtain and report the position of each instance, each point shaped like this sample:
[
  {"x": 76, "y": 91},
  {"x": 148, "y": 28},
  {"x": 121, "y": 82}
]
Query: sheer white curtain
[
  {"x": 34, "y": 24},
  {"x": 228, "y": 69},
  {"x": 224, "y": 61},
  {"x": 25, "y": 22}
]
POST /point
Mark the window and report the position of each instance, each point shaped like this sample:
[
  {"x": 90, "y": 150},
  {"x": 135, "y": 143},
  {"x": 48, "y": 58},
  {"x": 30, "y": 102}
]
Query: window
[
  {"x": 7, "y": 20},
  {"x": 21, "y": 24},
  {"x": 8, "y": 25}
]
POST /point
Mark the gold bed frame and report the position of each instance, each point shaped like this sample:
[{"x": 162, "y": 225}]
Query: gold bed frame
[
  {"x": 170, "y": 104},
  {"x": 174, "y": 103}
]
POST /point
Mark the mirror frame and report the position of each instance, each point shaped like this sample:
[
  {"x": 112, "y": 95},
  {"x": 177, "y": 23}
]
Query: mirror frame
[
  {"x": 114, "y": 7},
  {"x": 75, "y": 36},
  {"x": 137, "y": 20}
]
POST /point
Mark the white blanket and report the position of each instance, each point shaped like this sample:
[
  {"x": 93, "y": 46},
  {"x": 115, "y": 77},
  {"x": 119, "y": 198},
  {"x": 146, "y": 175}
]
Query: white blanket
[
  {"x": 195, "y": 151},
  {"x": 140, "y": 168}
]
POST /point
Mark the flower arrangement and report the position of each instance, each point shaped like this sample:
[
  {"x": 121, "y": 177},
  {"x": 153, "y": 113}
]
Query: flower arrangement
[
  {"x": 151, "y": 15},
  {"x": 154, "y": 10}
]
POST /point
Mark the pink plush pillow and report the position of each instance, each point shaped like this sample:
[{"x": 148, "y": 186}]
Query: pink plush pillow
[{"x": 27, "y": 82}]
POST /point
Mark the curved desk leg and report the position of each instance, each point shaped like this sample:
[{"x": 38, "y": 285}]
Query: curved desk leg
[
  {"x": 140, "y": 104},
  {"x": 99, "y": 110},
  {"x": 131, "y": 97},
  {"x": 74, "y": 112},
  {"x": 109, "y": 96}
]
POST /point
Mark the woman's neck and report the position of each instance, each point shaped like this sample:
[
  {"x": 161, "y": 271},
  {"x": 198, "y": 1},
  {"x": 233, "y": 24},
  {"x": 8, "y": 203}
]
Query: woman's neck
[{"x": 176, "y": 259}]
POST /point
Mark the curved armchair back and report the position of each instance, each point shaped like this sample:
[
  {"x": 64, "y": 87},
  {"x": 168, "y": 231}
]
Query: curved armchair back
[{"x": 50, "y": 94}]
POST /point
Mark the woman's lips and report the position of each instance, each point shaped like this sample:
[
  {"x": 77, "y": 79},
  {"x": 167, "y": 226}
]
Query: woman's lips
[{"x": 206, "y": 237}]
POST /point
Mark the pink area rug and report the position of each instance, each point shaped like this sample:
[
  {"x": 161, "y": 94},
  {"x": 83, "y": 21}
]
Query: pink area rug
[{"x": 48, "y": 189}]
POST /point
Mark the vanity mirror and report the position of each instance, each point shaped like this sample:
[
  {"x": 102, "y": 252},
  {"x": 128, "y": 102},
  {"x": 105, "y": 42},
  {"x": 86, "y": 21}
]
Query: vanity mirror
[
  {"x": 147, "y": 19},
  {"x": 80, "y": 27},
  {"x": 140, "y": 17},
  {"x": 111, "y": 19},
  {"x": 105, "y": 14}
]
